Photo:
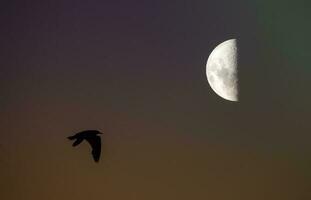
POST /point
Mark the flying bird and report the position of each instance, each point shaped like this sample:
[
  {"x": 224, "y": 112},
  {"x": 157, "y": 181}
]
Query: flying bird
[{"x": 93, "y": 139}]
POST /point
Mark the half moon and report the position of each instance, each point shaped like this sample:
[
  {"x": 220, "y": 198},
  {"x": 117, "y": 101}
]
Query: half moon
[{"x": 222, "y": 70}]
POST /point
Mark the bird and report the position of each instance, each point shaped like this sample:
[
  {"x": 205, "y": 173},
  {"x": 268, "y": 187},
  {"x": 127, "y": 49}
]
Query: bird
[{"x": 93, "y": 139}]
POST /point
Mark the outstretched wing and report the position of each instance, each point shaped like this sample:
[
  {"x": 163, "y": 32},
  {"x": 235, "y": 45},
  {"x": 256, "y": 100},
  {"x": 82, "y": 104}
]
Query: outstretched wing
[{"x": 95, "y": 143}]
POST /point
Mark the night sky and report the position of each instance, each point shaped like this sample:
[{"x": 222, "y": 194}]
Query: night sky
[{"x": 135, "y": 70}]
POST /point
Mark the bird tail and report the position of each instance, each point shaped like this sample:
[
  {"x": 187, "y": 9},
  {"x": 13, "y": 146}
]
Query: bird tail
[
  {"x": 71, "y": 137},
  {"x": 78, "y": 141}
]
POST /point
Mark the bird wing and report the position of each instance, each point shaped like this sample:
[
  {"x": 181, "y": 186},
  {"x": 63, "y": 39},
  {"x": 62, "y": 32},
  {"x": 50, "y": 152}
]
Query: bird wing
[{"x": 95, "y": 143}]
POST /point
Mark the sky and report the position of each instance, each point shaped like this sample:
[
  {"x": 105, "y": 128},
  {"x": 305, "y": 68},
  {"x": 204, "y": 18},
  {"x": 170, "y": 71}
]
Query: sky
[{"x": 135, "y": 70}]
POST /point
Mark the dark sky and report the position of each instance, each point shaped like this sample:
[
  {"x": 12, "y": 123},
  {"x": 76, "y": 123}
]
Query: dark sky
[{"x": 136, "y": 71}]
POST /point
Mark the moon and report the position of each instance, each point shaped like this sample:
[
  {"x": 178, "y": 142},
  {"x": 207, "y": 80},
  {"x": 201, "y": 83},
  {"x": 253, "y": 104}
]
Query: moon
[{"x": 222, "y": 70}]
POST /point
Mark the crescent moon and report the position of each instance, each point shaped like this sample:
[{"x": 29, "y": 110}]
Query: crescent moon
[{"x": 222, "y": 70}]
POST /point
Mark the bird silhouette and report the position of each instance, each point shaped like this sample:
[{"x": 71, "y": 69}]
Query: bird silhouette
[{"x": 93, "y": 139}]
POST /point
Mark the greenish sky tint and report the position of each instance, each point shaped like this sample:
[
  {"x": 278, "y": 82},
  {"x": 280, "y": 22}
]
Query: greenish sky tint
[{"x": 286, "y": 25}]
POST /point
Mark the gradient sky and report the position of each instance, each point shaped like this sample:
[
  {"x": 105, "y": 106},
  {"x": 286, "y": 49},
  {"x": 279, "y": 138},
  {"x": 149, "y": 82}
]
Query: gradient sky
[{"x": 136, "y": 71}]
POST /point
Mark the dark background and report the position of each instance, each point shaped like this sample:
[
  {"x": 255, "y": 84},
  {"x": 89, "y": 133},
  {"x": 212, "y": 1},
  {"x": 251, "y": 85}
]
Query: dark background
[{"x": 136, "y": 71}]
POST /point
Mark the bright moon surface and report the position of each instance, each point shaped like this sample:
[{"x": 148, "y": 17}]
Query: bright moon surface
[{"x": 222, "y": 72}]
